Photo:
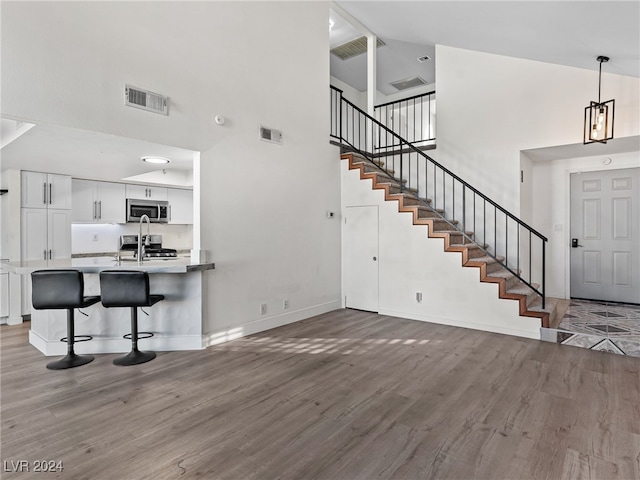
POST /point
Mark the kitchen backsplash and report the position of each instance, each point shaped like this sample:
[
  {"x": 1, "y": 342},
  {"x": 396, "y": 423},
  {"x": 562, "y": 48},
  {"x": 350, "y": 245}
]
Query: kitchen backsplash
[{"x": 105, "y": 237}]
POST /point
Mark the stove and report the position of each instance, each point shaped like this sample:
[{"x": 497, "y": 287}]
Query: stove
[
  {"x": 159, "y": 252},
  {"x": 154, "y": 250}
]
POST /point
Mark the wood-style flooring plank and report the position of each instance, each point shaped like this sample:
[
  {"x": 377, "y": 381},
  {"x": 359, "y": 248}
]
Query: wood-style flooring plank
[{"x": 345, "y": 395}]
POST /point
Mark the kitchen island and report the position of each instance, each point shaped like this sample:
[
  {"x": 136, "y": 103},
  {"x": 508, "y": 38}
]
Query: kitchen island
[{"x": 176, "y": 321}]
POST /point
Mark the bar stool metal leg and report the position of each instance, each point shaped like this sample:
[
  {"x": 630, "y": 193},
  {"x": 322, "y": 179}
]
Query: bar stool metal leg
[
  {"x": 135, "y": 356},
  {"x": 72, "y": 359}
]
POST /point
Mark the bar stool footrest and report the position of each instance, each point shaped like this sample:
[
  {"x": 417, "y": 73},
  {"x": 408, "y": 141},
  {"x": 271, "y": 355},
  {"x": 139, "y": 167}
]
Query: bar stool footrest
[
  {"x": 78, "y": 338},
  {"x": 141, "y": 335}
]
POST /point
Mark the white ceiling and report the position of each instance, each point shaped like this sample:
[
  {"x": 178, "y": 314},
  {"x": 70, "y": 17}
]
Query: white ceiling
[
  {"x": 571, "y": 33},
  {"x": 96, "y": 156},
  {"x": 562, "y": 32}
]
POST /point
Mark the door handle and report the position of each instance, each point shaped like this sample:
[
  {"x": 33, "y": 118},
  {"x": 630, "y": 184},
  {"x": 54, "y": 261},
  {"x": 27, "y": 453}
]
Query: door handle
[{"x": 574, "y": 243}]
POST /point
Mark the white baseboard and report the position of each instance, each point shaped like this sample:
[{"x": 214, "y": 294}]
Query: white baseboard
[
  {"x": 534, "y": 333},
  {"x": 261, "y": 325}
]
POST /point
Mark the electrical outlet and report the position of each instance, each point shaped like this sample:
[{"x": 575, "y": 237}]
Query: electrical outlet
[
  {"x": 263, "y": 309},
  {"x": 285, "y": 304}
]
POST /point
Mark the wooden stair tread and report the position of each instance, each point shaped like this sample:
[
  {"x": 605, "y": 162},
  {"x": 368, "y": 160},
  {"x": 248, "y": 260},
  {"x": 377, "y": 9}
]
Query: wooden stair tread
[
  {"x": 456, "y": 232},
  {"x": 469, "y": 245},
  {"x": 488, "y": 259},
  {"x": 522, "y": 289},
  {"x": 504, "y": 273}
]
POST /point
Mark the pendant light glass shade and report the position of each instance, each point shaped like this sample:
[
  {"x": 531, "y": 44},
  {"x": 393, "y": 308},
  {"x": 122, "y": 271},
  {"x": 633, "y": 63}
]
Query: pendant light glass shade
[{"x": 598, "y": 116}]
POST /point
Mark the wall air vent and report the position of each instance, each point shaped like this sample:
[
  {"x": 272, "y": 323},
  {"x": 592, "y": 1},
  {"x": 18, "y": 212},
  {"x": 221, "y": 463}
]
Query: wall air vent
[
  {"x": 408, "y": 83},
  {"x": 353, "y": 48},
  {"x": 270, "y": 135},
  {"x": 145, "y": 100}
]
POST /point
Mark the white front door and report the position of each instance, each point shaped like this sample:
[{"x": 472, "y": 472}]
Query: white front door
[
  {"x": 361, "y": 258},
  {"x": 605, "y": 235}
]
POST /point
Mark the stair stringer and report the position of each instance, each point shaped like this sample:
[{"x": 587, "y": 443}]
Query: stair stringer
[{"x": 502, "y": 317}]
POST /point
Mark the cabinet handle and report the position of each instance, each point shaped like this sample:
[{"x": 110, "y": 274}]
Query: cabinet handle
[
  {"x": 50, "y": 193},
  {"x": 100, "y": 209},
  {"x": 50, "y": 256},
  {"x": 45, "y": 253},
  {"x": 94, "y": 210},
  {"x": 44, "y": 194}
]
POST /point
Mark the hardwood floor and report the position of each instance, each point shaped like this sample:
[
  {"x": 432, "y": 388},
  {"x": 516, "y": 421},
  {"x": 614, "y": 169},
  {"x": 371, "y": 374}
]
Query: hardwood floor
[{"x": 345, "y": 395}]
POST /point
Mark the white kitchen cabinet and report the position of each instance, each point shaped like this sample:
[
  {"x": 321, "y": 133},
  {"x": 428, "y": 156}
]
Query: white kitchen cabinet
[
  {"x": 181, "y": 205},
  {"x": 48, "y": 190},
  {"x": 146, "y": 192},
  {"x": 4, "y": 294},
  {"x": 98, "y": 202},
  {"x": 46, "y": 234},
  {"x": 46, "y": 216}
]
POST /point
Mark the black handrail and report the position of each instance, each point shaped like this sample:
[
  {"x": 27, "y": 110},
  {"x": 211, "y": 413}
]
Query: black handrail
[{"x": 347, "y": 123}]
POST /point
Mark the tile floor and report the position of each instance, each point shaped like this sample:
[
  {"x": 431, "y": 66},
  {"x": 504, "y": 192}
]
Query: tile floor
[{"x": 603, "y": 326}]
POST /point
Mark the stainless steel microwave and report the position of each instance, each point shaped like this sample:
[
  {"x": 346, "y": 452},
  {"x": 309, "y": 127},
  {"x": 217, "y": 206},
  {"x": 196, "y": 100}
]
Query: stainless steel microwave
[{"x": 158, "y": 211}]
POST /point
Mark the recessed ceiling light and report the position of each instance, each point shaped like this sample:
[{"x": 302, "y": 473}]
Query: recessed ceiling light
[{"x": 155, "y": 160}]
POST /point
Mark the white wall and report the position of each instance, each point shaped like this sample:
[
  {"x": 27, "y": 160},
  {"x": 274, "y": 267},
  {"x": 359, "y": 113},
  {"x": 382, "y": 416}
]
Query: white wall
[
  {"x": 410, "y": 262},
  {"x": 356, "y": 97},
  {"x": 263, "y": 206},
  {"x": 551, "y": 181},
  {"x": 491, "y": 107}
]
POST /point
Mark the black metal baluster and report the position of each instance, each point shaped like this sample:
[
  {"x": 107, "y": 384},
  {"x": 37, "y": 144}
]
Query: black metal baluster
[
  {"x": 484, "y": 228},
  {"x": 453, "y": 189},
  {"x": 464, "y": 211},
  {"x": 544, "y": 273},
  {"x": 474, "y": 218},
  {"x": 401, "y": 174},
  {"x": 530, "y": 255},
  {"x": 518, "y": 250},
  {"x": 506, "y": 241},
  {"x": 495, "y": 228}
]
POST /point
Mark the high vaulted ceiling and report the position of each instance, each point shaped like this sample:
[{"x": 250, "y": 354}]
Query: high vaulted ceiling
[
  {"x": 563, "y": 32},
  {"x": 571, "y": 33}
]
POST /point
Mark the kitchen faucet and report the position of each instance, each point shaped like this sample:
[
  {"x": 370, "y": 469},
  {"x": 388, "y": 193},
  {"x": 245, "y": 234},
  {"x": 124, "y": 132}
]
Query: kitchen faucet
[{"x": 147, "y": 240}]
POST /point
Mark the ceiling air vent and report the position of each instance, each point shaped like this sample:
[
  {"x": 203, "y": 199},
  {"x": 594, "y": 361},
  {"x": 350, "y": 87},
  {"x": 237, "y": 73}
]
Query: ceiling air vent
[
  {"x": 152, "y": 102},
  {"x": 408, "y": 83},
  {"x": 353, "y": 48},
  {"x": 424, "y": 58}
]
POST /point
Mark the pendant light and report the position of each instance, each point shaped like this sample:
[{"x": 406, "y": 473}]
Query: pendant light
[{"x": 598, "y": 116}]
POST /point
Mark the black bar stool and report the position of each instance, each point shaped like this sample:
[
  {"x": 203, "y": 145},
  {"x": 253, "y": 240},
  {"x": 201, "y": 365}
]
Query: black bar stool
[
  {"x": 58, "y": 290},
  {"x": 129, "y": 288}
]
